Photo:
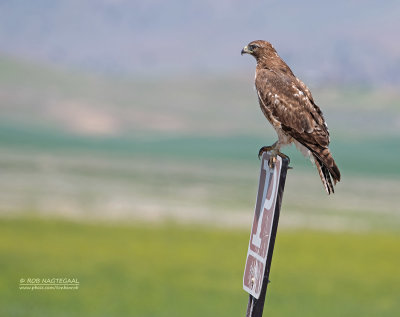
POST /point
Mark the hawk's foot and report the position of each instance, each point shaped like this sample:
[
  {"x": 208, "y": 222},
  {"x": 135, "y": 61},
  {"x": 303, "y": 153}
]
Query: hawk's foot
[
  {"x": 274, "y": 152},
  {"x": 284, "y": 156},
  {"x": 270, "y": 148}
]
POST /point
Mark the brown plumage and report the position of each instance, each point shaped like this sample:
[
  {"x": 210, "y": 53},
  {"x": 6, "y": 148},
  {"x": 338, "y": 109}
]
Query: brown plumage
[{"x": 289, "y": 106}]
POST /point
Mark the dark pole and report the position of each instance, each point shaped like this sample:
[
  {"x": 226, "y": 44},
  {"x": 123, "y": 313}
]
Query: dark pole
[{"x": 255, "y": 306}]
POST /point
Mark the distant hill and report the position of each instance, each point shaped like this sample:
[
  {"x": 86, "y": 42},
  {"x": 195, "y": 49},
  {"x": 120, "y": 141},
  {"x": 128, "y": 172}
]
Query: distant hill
[
  {"x": 40, "y": 96},
  {"x": 341, "y": 41},
  {"x": 77, "y": 144}
]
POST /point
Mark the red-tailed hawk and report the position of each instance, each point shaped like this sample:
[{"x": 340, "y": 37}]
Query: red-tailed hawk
[{"x": 289, "y": 106}]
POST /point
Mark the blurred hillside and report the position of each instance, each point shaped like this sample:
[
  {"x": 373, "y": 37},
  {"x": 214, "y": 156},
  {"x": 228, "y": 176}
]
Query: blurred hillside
[
  {"x": 82, "y": 104},
  {"x": 86, "y": 146},
  {"x": 341, "y": 41}
]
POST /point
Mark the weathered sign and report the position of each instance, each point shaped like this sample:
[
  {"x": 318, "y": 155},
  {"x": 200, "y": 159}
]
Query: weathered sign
[{"x": 271, "y": 183}]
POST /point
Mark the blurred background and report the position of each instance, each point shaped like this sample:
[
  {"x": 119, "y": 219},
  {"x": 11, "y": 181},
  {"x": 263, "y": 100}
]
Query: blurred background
[{"x": 129, "y": 134}]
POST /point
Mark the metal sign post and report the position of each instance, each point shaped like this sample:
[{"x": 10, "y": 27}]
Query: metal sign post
[{"x": 263, "y": 232}]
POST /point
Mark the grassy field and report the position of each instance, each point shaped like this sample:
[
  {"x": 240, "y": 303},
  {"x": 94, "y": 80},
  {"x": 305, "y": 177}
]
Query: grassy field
[{"x": 172, "y": 270}]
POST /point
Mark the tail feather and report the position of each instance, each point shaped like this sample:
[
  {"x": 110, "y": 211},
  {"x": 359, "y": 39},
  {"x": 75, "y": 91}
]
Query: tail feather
[
  {"x": 335, "y": 173},
  {"x": 328, "y": 177},
  {"x": 326, "y": 166},
  {"x": 327, "y": 169},
  {"x": 324, "y": 175},
  {"x": 326, "y": 158}
]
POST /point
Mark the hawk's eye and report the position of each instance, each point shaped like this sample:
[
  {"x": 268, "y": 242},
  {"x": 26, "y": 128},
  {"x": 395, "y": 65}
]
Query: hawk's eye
[{"x": 252, "y": 47}]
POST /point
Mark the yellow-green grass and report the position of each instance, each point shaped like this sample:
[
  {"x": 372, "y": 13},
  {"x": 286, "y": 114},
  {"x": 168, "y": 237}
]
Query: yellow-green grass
[{"x": 171, "y": 270}]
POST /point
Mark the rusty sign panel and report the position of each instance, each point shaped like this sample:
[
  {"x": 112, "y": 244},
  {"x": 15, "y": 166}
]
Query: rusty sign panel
[{"x": 261, "y": 230}]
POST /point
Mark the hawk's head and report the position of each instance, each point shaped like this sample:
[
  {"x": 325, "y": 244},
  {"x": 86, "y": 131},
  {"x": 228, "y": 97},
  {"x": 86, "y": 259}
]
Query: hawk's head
[{"x": 259, "y": 49}]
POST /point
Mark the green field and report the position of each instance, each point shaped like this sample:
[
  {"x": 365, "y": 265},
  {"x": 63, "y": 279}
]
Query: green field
[{"x": 171, "y": 270}]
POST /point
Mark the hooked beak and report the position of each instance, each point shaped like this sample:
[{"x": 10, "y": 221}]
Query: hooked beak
[{"x": 246, "y": 50}]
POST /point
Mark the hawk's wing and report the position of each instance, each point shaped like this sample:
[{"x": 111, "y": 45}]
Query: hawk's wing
[{"x": 289, "y": 105}]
